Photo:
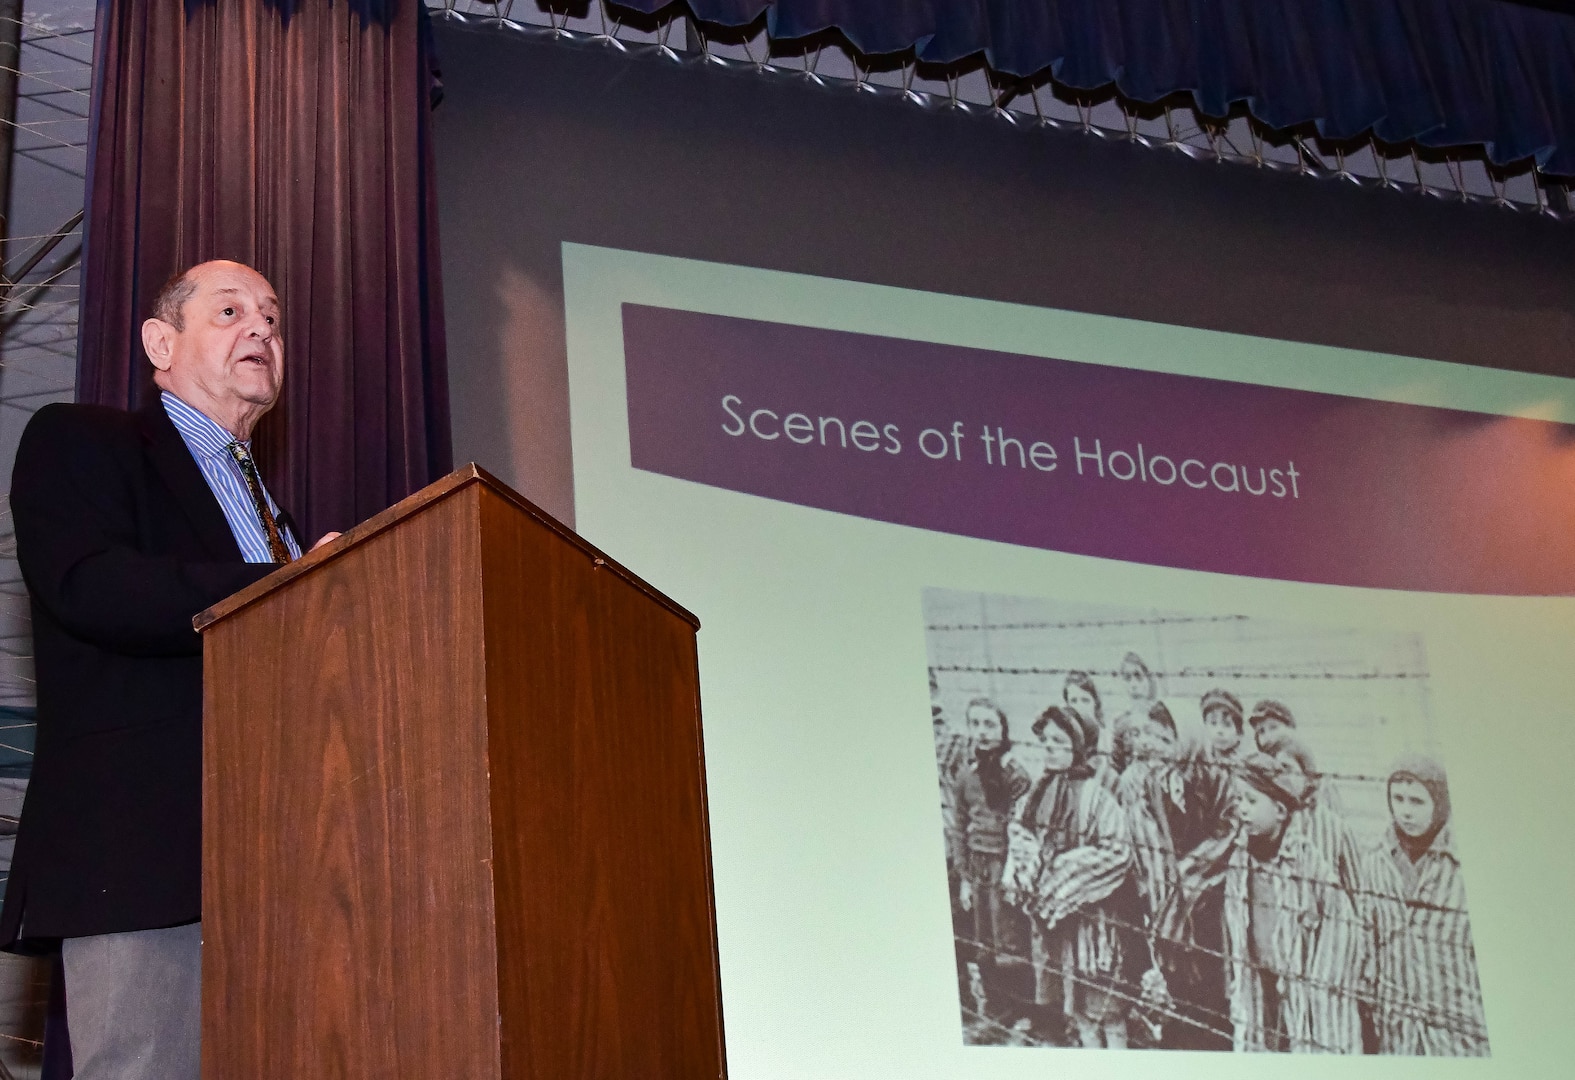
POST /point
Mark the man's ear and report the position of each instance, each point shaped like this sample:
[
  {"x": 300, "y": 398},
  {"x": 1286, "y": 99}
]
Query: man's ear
[{"x": 158, "y": 341}]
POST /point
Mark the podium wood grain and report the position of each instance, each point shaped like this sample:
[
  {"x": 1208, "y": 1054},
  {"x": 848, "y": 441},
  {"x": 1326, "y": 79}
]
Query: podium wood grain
[{"x": 454, "y": 810}]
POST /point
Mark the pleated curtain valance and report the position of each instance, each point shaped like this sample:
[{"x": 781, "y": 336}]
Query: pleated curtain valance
[{"x": 1445, "y": 73}]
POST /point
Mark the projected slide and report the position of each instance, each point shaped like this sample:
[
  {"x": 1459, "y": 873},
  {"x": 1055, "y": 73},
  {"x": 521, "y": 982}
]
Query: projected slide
[
  {"x": 1162, "y": 859},
  {"x": 1075, "y": 685}
]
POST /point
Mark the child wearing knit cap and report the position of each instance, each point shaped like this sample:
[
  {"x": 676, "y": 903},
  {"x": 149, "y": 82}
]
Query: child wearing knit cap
[
  {"x": 1269, "y": 717},
  {"x": 1291, "y": 934},
  {"x": 1431, "y": 999}
]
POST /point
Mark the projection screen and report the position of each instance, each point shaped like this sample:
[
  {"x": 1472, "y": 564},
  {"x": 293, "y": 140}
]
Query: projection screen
[{"x": 1135, "y": 599}]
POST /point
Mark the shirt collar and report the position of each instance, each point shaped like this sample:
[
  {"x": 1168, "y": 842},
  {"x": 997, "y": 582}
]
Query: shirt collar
[
  {"x": 1443, "y": 844},
  {"x": 200, "y": 430}
]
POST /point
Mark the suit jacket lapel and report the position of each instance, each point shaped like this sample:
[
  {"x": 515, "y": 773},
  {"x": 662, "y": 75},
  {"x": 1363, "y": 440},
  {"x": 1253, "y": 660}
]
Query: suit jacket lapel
[{"x": 175, "y": 466}]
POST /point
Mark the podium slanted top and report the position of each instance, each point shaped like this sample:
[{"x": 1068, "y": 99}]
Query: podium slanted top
[{"x": 435, "y": 492}]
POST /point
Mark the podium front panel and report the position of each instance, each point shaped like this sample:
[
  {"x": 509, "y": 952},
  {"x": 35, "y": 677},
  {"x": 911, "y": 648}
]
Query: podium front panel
[{"x": 348, "y": 902}]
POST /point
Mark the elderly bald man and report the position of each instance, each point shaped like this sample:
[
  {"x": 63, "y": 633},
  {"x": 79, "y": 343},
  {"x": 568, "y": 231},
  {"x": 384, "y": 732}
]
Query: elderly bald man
[{"x": 127, "y": 525}]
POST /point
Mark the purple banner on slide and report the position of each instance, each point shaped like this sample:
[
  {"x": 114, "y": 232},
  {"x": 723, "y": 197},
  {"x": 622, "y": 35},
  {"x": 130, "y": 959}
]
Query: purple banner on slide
[{"x": 1173, "y": 470}]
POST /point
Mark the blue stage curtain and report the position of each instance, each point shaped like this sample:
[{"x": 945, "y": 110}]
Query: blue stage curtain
[
  {"x": 1446, "y": 73},
  {"x": 293, "y": 135}
]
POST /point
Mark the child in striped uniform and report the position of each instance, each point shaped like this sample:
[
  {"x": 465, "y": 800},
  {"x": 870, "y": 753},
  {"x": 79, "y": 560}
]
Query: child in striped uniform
[
  {"x": 1179, "y": 810},
  {"x": 1069, "y": 856},
  {"x": 1292, "y": 936},
  {"x": 983, "y": 796},
  {"x": 1320, "y": 815},
  {"x": 1430, "y": 999}
]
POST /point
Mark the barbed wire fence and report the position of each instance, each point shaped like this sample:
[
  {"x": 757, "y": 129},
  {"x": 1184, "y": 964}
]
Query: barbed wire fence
[
  {"x": 977, "y": 1008},
  {"x": 1381, "y": 927},
  {"x": 1357, "y": 697},
  {"x": 971, "y": 87}
]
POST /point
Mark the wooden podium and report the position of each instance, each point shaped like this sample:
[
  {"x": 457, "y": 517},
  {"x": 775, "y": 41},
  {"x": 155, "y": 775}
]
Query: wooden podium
[{"x": 454, "y": 810}]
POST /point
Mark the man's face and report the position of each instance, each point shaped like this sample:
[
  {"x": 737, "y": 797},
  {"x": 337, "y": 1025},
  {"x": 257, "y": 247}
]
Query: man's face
[
  {"x": 1411, "y": 804},
  {"x": 1223, "y": 734},
  {"x": 984, "y": 727},
  {"x": 228, "y": 351},
  {"x": 1261, "y": 814}
]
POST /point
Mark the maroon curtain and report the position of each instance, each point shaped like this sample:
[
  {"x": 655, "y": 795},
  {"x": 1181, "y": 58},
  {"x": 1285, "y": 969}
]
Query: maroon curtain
[{"x": 293, "y": 135}]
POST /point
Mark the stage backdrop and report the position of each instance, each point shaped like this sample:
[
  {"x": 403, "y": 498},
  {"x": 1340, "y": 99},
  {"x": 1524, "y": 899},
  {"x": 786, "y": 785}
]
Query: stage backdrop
[{"x": 937, "y": 425}]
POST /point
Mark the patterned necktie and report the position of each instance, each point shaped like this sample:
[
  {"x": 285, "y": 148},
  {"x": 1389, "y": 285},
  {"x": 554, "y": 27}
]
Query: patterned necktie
[{"x": 277, "y": 548}]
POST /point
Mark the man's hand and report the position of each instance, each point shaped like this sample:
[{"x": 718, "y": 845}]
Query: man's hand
[{"x": 326, "y": 538}]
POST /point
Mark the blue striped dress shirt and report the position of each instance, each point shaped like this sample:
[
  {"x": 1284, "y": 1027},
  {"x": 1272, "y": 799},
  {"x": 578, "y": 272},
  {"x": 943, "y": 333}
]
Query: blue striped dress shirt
[{"x": 209, "y": 443}]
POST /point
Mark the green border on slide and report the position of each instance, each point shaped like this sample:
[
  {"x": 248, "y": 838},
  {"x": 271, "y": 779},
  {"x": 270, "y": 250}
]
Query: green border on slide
[{"x": 861, "y": 307}]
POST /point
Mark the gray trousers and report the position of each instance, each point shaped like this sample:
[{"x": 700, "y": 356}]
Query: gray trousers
[{"x": 134, "y": 1004}]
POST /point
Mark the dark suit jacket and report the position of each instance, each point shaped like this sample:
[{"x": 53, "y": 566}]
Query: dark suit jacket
[{"x": 121, "y": 542}]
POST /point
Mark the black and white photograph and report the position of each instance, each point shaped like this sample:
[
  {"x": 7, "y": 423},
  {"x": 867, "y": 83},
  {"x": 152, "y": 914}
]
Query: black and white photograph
[{"x": 1196, "y": 831}]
